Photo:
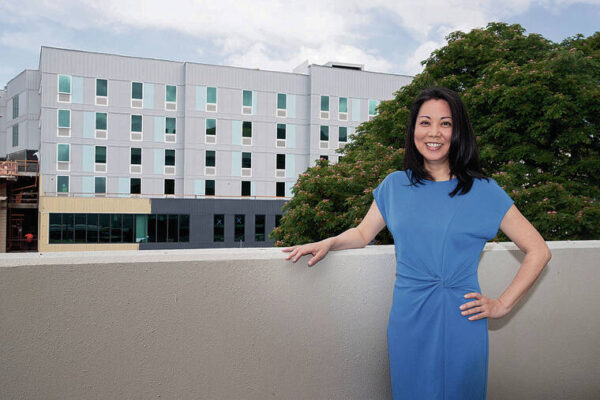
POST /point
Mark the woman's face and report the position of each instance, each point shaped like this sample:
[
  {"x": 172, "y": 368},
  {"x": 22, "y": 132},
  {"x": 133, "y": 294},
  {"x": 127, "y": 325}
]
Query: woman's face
[{"x": 433, "y": 131}]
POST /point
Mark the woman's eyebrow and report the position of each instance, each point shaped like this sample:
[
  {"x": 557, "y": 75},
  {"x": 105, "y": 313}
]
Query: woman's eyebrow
[{"x": 424, "y": 116}]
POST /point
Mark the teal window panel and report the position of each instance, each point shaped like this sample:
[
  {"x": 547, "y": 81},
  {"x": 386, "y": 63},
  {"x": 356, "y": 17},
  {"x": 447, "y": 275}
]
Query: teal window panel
[
  {"x": 123, "y": 187},
  {"x": 101, "y": 121},
  {"x": 100, "y": 155},
  {"x": 62, "y": 184},
  {"x": 159, "y": 129},
  {"x": 288, "y": 189},
  {"x": 246, "y": 160},
  {"x": 200, "y": 98},
  {"x": 77, "y": 95},
  {"x": 373, "y": 107},
  {"x": 290, "y": 140},
  {"x": 199, "y": 187},
  {"x": 64, "y": 84},
  {"x": 63, "y": 152},
  {"x": 324, "y": 103},
  {"x": 291, "y": 103},
  {"x": 343, "y": 134},
  {"x": 210, "y": 158},
  {"x": 135, "y": 156},
  {"x": 101, "y": 87},
  {"x": 64, "y": 118},
  {"x": 159, "y": 161},
  {"x": 170, "y": 157},
  {"x": 281, "y": 131},
  {"x": 15, "y": 135},
  {"x": 281, "y": 101},
  {"x": 236, "y": 132},
  {"x": 170, "y": 125},
  {"x": 99, "y": 184},
  {"x": 290, "y": 166},
  {"x": 89, "y": 124},
  {"x": 211, "y": 126},
  {"x": 247, "y": 129},
  {"x": 247, "y": 98},
  {"x": 16, "y": 107},
  {"x": 87, "y": 185},
  {"x": 149, "y": 95},
  {"x": 324, "y": 133},
  {"x": 87, "y": 158},
  {"x": 137, "y": 90},
  {"x": 356, "y": 110},
  {"x": 171, "y": 93},
  {"x": 136, "y": 123},
  {"x": 211, "y": 95},
  {"x": 236, "y": 163},
  {"x": 343, "y": 104}
]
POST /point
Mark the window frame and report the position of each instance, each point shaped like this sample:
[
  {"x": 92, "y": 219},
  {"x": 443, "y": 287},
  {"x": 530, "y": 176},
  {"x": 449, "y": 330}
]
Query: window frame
[
  {"x": 57, "y": 152},
  {"x": 131, "y": 179},
  {"x": 96, "y": 180},
  {"x": 101, "y": 96},
  {"x": 15, "y": 134},
  {"x": 15, "y": 106},
  {"x": 57, "y": 183}
]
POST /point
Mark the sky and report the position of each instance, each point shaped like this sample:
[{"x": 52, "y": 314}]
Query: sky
[{"x": 383, "y": 35}]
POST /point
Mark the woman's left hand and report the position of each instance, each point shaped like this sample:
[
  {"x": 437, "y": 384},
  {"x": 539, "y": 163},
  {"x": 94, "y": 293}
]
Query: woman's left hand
[{"x": 484, "y": 306}]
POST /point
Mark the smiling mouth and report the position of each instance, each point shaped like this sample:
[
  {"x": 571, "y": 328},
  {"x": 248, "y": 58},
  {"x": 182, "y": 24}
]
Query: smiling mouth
[{"x": 433, "y": 146}]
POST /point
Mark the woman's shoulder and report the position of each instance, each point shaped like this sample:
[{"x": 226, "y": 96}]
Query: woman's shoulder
[{"x": 397, "y": 176}]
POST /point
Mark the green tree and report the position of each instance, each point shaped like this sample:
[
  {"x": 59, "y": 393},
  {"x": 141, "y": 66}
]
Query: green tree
[{"x": 535, "y": 110}]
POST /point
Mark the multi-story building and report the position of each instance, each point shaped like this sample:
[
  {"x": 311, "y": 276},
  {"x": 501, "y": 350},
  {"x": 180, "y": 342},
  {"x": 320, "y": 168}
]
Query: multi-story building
[{"x": 145, "y": 153}]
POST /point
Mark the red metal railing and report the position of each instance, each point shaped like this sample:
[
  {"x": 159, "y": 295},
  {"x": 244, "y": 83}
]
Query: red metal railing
[{"x": 10, "y": 168}]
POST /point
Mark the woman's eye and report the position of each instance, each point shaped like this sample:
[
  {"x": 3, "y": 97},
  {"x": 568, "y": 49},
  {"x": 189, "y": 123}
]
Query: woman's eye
[
  {"x": 424, "y": 123},
  {"x": 446, "y": 124}
]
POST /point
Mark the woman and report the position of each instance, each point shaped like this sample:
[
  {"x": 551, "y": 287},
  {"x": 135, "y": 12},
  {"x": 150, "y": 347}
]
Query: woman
[{"x": 441, "y": 210}]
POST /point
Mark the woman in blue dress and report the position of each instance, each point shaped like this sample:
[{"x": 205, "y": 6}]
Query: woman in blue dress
[{"x": 441, "y": 210}]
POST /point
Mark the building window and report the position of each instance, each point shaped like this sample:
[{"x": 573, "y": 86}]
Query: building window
[
  {"x": 136, "y": 156},
  {"x": 280, "y": 189},
  {"x": 135, "y": 185},
  {"x": 64, "y": 88},
  {"x": 247, "y": 132},
  {"x": 324, "y": 114},
  {"x": 170, "y": 124},
  {"x": 281, "y": 131},
  {"x": 64, "y": 84},
  {"x": 169, "y": 186},
  {"x": 259, "y": 228},
  {"x": 277, "y": 220},
  {"x": 101, "y": 124},
  {"x": 63, "y": 152},
  {"x": 64, "y": 118},
  {"x": 211, "y": 127},
  {"x": 100, "y": 154},
  {"x": 171, "y": 94},
  {"x": 246, "y": 160},
  {"x": 169, "y": 157},
  {"x": 100, "y": 185},
  {"x": 281, "y": 161},
  {"x": 247, "y": 102},
  {"x": 101, "y": 92},
  {"x": 137, "y": 90},
  {"x": 343, "y": 105},
  {"x": 62, "y": 184},
  {"x": 281, "y": 101},
  {"x": 372, "y": 108},
  {"x": 211, "y": 99},
  {"x": 136, "y": 123},
  {"x": 15, "y": 135},
  {"x": 15, "y": 107},
  {"x": 118, "y": 228},
  {"x": 209, "y": 187},
  {"x": 239, "y": 228},
  {"x": 211, "y": 157},
  {"x": 324, "y": 157},
  {"x": 324, "y": 133},
  {"x": 343, "y": 134},
  {"x": 245, "y": 188},
  {"x": 218, "y": 228}
]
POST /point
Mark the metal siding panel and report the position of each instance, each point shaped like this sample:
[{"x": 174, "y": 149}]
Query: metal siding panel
[
  {"x": 87, "y": 159},
  {"x": 199, "y": 187},
  {"x": 291, "y": 105},
  {"x": 355, "y": 104},
  {"x": 236, "y": 163},
  {"x": 148, "y": 98},
  {"x": 200, "y": 98},
  {"x": 159, "y": 129},
  {"x": 159, "y": 161},
  {"x": 290, "y": 136},
  {"x": 290, "y": 166},
  {"x": 236, "y": 132},
  {"x": 76, "y": 89},
  {"x": 89, "y": 124},
  {"x": 87, "y": 186}
]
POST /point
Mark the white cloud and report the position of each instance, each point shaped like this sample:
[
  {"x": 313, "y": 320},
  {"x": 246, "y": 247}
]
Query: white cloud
[{"x": 268, "y": 34}]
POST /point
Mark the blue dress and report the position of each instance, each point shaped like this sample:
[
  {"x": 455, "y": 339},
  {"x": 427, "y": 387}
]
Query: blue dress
[{"x": 436, "y": 352}]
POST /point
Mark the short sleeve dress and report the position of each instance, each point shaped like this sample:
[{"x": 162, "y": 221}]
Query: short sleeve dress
[{"x": 435, "y": 352}]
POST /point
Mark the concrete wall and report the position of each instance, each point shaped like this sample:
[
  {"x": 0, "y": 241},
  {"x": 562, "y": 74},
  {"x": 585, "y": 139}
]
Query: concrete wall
[{"x": 245, "y": 324}]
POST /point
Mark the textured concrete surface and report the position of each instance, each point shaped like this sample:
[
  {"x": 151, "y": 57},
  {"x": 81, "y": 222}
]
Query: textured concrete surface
[{"x": 245, "y": 324}]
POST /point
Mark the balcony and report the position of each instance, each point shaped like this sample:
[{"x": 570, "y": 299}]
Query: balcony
[{"x": 246, "y": 324}]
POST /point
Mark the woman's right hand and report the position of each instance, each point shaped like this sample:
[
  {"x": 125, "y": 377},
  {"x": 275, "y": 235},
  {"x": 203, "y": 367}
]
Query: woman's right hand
[{"x": 317, "y": 249}]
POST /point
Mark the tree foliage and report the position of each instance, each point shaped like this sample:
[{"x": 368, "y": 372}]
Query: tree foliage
[{"x": 535, "y": 110}]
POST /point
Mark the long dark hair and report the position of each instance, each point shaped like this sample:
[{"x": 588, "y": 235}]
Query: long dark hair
[{"x": 463, "y": 155}]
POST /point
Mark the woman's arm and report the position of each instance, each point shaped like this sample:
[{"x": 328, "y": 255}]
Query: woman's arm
[
  {"x": 353, "y": 238},
  {"x": 537, "y": 255}
]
